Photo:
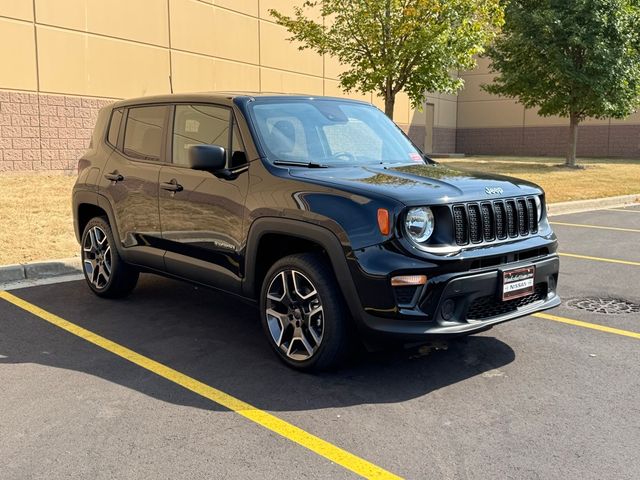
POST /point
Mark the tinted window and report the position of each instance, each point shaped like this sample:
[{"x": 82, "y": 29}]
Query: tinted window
[
  {"x": 114, "y": 127},
  {"x": 285, "y": 134},
  {"x": 353, "y": 136},
  {"x": 199, "y": 125},
  {"x": 143, "y": 133},
  {"x": 332, "y": 132},
  {"x": 238, "y": 156}
]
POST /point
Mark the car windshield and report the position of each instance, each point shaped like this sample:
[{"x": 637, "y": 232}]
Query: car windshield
[{"x": 330, "y": 132}]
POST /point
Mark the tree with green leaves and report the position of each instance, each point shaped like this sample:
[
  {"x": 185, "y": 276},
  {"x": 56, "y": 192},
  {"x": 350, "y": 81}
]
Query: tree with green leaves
[
  {"x": 575, "y": 59},
  {"x": 389, "y": 46}
]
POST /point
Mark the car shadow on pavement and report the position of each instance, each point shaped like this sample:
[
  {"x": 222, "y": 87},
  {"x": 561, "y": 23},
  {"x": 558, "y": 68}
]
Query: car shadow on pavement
[{"x": 219, "y": 341}]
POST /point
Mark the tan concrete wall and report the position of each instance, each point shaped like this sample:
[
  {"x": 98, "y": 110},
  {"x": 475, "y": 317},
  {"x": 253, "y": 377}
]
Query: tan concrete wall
[
  {"x": 488, "y": 124},
  {"x": 123, "y": 48},
  {"x": 108, "y": 49},
  {"x": 85, "y": 50}
]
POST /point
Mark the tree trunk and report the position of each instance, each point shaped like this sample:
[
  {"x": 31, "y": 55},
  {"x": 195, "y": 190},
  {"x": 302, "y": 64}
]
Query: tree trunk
[
  {"x": 389, "y": 104},
  {"x": 574, "y": 122}
]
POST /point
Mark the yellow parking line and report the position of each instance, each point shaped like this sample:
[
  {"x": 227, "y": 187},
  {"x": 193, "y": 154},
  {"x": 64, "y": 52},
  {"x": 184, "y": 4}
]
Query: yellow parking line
[
  {"x": 598, "y": 259},
  {"x": 592, "y": 326},
  {"x": 596, "y": 226},
  {"x": 262, "y": 418},
  {"x": 622, "y": 210}
]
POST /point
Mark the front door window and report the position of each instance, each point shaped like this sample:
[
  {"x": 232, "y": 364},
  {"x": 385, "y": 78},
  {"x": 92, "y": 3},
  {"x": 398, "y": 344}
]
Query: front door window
[{"x": 199, "y": 125}]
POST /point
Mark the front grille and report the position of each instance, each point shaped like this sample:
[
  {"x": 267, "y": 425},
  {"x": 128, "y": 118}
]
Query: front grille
[
  {"x": 487, "y": 307},
  {"x": 475, "y": 223},
  {"x": 460, "y": 224},
  {"x": 488, "y": 222},
  {"x": 497, "y": 220},
  {"x": 501, "y": 222},
  {"x": 532, "y": 212},
  {"x": 512, "y": 230}
]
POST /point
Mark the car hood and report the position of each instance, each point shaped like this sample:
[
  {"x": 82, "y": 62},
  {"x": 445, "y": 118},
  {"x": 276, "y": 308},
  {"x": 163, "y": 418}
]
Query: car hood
[{"x": 419, "y": 184}]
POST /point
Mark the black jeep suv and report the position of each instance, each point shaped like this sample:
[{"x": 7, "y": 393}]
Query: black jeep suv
[{"x": 319, "y": 210}]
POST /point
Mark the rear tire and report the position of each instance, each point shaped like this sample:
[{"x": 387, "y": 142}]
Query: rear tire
[
  {"x": 304, "y": 314},
  {"x": 105, "y": 272}
]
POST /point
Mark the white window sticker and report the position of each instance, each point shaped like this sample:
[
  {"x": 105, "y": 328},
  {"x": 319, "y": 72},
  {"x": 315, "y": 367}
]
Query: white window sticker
[{"x": 192, "y": 126}]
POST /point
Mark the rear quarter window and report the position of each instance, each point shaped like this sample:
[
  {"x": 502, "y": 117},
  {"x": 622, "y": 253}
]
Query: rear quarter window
[{"x": 114, "y": 127}]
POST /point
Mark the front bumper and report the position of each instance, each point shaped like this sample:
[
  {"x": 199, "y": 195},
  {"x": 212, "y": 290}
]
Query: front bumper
[{"x": 457, "y": 300}]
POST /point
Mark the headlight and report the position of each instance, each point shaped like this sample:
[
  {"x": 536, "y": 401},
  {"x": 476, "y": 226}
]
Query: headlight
[
  {"x": 538, "y": 207},
  {"x": 419, "y": 224}
]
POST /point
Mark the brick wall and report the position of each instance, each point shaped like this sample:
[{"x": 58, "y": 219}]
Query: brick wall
[
  {"x": 444, "y": 139},
  {"x": 41, "y": 132},
  {"x": 45, "y": 132},
  {"x": 415, "y": 133},
  {"x": 615, "y": 140}
]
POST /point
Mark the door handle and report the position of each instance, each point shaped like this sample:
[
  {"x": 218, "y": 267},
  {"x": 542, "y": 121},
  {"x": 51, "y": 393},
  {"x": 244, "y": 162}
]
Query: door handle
[
  {"x": 114, "y": 176},
  {"x": 171, "y": 186}
]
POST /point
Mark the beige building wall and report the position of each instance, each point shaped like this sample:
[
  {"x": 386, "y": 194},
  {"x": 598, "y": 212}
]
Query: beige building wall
[
  {"x": 70, "y": 53},
  {"x": 63, "y": 59},
  {"x": 488, "y": 124}
]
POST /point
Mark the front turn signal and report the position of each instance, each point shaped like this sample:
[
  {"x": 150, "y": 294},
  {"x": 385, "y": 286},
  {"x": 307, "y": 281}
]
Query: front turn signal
[
  {"x": 408, "y": 280},
  {"x": 383, "y": 221}
]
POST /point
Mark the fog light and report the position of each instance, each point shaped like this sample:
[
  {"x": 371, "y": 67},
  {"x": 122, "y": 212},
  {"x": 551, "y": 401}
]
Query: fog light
[
  {"x": 448, "y": 307},
  {"x": 405, "y": 280}
]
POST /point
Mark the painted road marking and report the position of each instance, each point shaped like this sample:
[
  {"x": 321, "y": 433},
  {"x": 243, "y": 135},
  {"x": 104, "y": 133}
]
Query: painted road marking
[
  {"x": 598, "y": 259},
  {"x": 622, "y": 210},
  {"x": 596, "y": 226},
  {"x": 270, "y": 422},
  {"x": 592, "y": 326}
]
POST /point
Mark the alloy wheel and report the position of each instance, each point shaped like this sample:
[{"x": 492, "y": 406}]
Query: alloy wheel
[
  {"x": 97, "y": 257},
  {"x": 295, "y": 316}
]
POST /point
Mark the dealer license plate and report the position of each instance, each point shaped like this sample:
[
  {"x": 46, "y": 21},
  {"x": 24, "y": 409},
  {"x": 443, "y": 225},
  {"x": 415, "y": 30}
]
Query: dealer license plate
[{"x": 518, "y": 283}]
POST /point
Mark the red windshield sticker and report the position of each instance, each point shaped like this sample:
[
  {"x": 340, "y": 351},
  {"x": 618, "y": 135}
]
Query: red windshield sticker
[{"x": 416, "y": 157}]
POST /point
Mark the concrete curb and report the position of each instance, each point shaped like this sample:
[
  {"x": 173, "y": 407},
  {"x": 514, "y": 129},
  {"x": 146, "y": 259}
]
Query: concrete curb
[
  {"x": 593, "y": 204},
  {"x": 73, "y": 266},
  {"x": 39, "y": 270}
]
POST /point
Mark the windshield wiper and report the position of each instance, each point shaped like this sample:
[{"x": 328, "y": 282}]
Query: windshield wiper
[{"x": 300, "y": 164}]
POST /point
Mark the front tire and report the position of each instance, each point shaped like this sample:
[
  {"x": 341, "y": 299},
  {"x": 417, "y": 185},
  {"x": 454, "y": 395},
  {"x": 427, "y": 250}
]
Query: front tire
[
  {"x": 303, "y": 313},
  {"x": 105, "y": 272}
]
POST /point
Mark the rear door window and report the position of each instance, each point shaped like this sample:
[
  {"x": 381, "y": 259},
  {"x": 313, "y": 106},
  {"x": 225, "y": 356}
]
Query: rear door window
[
  {"x": 143, "y": 132},
  {"x": 199, "y": 125}
]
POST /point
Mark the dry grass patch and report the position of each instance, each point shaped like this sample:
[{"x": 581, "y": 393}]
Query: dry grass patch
[
  {"x": 597, "y": 179},
  {"x": 35, "y": 218},
  {"x": 36, "y": 221}
]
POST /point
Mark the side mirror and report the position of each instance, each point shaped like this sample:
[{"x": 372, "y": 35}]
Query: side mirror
[{"x": 212, "y": 158}]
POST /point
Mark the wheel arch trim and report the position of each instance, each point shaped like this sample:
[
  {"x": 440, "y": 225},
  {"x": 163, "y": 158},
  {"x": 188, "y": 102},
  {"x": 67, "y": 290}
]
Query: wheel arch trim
[
  {"x": 100, "y": 201},
  {"x": 322, "y": 236}
]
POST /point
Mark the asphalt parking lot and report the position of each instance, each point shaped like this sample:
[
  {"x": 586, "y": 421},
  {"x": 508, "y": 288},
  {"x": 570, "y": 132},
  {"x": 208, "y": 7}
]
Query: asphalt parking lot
[{"x": 536, "y": 398}]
